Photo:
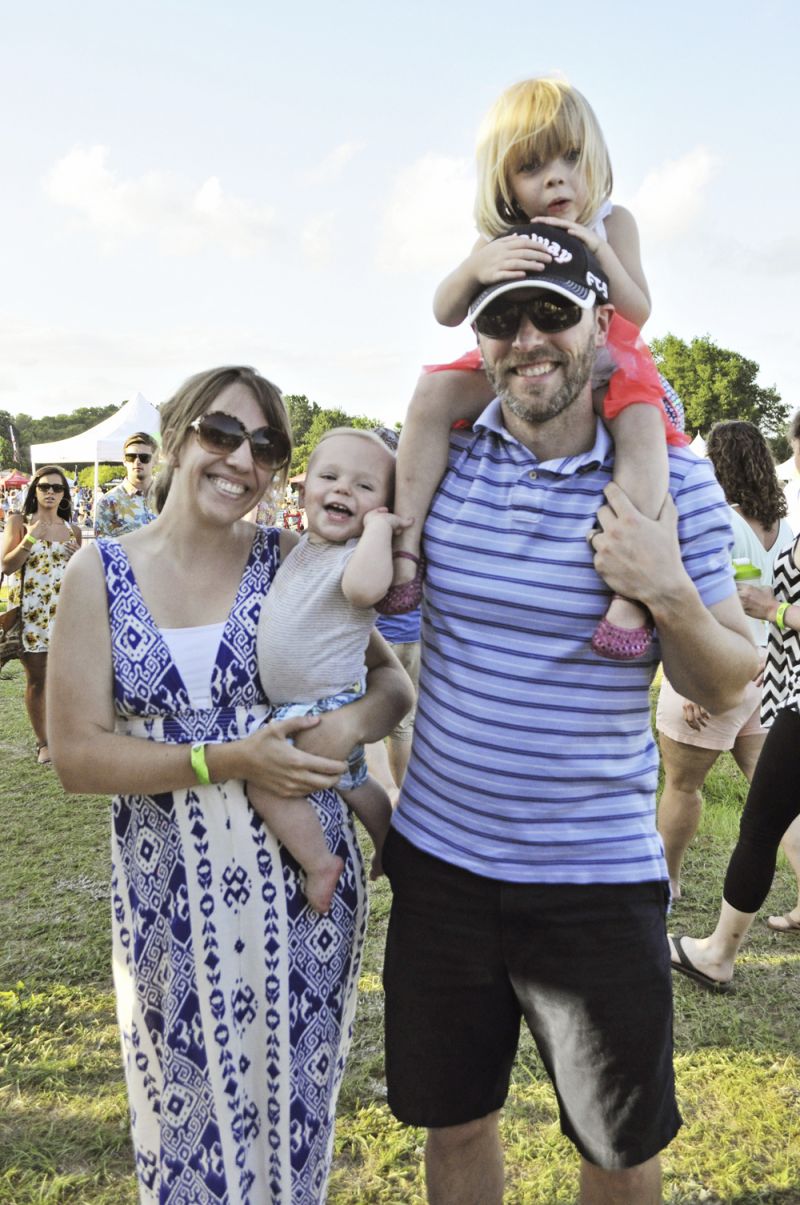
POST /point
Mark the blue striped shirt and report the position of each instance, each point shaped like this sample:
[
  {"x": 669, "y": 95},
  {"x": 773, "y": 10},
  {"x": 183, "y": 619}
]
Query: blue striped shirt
[{"x": 533, "y": 758}]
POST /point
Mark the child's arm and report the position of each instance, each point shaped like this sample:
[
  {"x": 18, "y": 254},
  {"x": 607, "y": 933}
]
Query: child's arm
[
  {"x": 506, "y": 258},
  {"x": 368, "y": 573},
  {"x": 440, "y": 399},
  {"x": 619, "y": 258}
]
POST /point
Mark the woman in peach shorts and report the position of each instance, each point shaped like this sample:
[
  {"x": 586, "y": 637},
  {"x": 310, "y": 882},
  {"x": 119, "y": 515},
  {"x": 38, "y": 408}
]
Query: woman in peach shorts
[{"x": 691, "y": 739}]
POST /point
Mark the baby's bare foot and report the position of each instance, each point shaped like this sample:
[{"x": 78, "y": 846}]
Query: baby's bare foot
[{"x": 321, "y": 883}]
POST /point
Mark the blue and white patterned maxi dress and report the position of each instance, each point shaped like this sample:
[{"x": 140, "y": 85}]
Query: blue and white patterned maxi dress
[{"x": 235, "y": 999}]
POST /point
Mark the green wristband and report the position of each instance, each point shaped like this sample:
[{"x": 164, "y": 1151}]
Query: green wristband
[
  {"x": 29, "y": 540},
  {"x": 198, "y": 758},
  {"x": 779, "y": 614}
]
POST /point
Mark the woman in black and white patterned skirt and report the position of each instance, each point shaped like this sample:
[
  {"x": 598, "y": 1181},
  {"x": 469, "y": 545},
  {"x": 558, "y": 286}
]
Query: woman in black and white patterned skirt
[{"x": 773, "y": 803}]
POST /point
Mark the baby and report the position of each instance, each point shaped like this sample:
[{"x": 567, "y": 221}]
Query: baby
[{"x": 314, "y": 628}]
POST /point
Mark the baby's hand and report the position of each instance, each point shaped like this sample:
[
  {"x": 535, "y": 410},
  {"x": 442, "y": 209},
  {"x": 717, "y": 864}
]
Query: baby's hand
[
  {"x": 587, "y": 236},
  {"x": 508, "y": 258},
  {"x": 382, "y": 514}
]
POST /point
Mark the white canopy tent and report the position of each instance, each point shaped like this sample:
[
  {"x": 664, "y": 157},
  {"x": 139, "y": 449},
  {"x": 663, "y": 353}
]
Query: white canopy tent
[
  {"x": 103, "y": 442},
  {"x": 698, "y": 445}
]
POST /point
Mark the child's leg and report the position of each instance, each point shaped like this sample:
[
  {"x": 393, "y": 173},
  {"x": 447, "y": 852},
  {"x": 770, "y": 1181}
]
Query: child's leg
[
  {"x": 440, "y": 399},
  {"x": 296, "y": 825},
  {"x": 371, "y": 804},
  {"x": 641, "y": 469}
]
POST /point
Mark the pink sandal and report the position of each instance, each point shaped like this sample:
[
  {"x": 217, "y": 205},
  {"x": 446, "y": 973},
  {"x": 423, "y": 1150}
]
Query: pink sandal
[
  {"x": 621, "y": 644},
  {"x": 405, "y": 596}
]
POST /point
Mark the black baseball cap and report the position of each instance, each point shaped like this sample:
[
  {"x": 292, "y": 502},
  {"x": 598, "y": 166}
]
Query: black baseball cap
[{"x": 573, "y": 271}]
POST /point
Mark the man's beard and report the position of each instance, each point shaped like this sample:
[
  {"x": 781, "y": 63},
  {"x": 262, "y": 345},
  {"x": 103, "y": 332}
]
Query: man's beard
[{"x": 538, "y": 408}]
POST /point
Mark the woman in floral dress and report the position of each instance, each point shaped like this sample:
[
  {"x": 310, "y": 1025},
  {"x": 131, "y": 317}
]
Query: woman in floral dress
[
  {"x": 235, "y": 999},
  {"x": 38, "y": 545}
]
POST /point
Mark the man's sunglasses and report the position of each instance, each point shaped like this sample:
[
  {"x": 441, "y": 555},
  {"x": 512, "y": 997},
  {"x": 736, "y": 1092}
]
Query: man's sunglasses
[
  {"x": 143, "y": 457},
  {"x": 47, "y": 487},
  {"x": 548, "y": 314},
  {"x": 222, "y": 434}
]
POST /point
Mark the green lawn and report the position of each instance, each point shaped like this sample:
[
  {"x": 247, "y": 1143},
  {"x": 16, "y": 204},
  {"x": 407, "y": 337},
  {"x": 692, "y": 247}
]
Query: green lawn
[{"x": 63, "y": 1117}]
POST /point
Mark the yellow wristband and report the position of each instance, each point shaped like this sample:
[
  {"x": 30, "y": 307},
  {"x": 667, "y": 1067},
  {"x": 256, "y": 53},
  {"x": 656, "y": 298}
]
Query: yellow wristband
[
  {"x": 198, "y": 759},
  {"x": 29, "y": 540},
  {"x": 779, "y": 614}
]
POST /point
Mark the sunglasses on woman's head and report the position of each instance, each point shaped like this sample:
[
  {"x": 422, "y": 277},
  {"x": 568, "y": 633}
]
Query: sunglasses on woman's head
[
  {"x": 550, "y": 315},
  {"x": 144, "y": 457},
  {"x": 48, "y": 488},
  {"x": 222, "y": 434}
]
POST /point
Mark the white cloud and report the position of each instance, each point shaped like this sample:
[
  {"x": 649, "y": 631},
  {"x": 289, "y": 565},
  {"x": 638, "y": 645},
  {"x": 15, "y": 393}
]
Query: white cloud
[
  {"x": 318, "y": 238},
  {"x": 427, "y": 223},
  {"x": 334, "y": 163},
  {"x": 157, "y": 205},
  {"x": 671, "y": 197}
]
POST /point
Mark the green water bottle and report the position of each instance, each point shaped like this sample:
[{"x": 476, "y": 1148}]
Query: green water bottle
[{"x": 745, "y": 572}]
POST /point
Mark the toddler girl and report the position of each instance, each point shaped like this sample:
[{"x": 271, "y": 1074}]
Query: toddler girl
[
  {"x": 313, "y": 632},
  {"x": 542, "y": 157}
]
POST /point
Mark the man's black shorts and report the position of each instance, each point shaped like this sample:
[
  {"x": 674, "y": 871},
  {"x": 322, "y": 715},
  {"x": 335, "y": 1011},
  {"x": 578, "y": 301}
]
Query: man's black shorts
[{"x": 588, "y": 968}]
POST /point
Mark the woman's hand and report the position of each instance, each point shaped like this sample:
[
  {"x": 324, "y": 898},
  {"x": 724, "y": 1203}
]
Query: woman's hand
[
  {"x": 758, "y": 677},
  {"x": 279, "y": 766},
  {"x": 71, "y": 547},
  {"x": 759, "y": 602},
  {"x": 696, "y": 716}
]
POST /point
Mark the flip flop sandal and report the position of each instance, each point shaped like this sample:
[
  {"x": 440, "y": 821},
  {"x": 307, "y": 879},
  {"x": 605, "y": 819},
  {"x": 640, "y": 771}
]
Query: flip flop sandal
[
  {"x": 686, "y": 967},
  {"x": 405, "y": 596}
]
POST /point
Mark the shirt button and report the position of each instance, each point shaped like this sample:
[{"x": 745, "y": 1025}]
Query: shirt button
[{"x": 533, "y": 474}]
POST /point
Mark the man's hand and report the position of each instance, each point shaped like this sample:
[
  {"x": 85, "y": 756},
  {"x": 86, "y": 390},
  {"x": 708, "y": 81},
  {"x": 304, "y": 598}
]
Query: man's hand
[{"x": 637, "y": 557}]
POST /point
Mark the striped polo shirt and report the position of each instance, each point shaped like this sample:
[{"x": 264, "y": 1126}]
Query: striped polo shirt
[{"x": 533, "y": 757}]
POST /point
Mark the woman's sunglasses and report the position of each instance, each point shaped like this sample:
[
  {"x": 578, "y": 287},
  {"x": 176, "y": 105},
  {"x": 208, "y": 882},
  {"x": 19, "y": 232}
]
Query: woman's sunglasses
[
  {"x": 548, "y": 314},
  {"x": 47, "y": 487},
  {"x": 222, "y": 434}
]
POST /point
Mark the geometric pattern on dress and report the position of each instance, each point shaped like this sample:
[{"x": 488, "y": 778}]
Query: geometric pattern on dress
[
  {"x": 235, "y": 999},
  {"x": 781, "y": 686}
]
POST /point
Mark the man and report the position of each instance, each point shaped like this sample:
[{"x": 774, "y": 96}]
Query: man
[
  {"x": 125, "y": 507},
  {"x": 789, "y": 474},
  {"x": 527, "y": 874}
]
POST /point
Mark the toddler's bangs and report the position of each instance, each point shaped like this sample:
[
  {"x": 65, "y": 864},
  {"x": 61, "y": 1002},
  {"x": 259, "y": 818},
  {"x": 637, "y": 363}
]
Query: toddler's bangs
[{"x": 562, "y": 131}]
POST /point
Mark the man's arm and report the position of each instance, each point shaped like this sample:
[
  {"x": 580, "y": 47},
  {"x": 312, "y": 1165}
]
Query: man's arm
[{"x": 708, "y": 654}]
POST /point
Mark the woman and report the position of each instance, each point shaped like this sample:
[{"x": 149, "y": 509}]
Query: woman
[
  {"x": 37, "y": 546},
  {"x": 773, "y": 804},
  {"x": 691, "y": 740},
  {"x": 235, "y": 1000}
]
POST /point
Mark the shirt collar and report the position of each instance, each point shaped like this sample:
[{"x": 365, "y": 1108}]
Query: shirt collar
[
  {"x": 131, "y": 490},
  {"x": 599, "y": 453}
]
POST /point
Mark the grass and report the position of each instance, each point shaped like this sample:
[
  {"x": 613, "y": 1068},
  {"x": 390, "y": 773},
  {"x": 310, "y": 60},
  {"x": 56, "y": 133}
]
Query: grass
[{"x": 63, "y": 1113}]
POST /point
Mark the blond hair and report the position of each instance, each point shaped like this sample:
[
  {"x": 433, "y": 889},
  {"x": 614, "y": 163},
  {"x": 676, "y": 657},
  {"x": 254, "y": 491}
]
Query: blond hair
[
  {"x": 194, "y": 399},
  {"x": 536, "y": 119}
]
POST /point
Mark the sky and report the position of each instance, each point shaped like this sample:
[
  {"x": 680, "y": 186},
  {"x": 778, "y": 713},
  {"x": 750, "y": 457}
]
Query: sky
[{"x": 187, "y": 184}]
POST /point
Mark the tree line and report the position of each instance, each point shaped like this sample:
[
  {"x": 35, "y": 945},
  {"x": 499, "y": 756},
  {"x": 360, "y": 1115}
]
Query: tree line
[{"x": 714, "y": 383}]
